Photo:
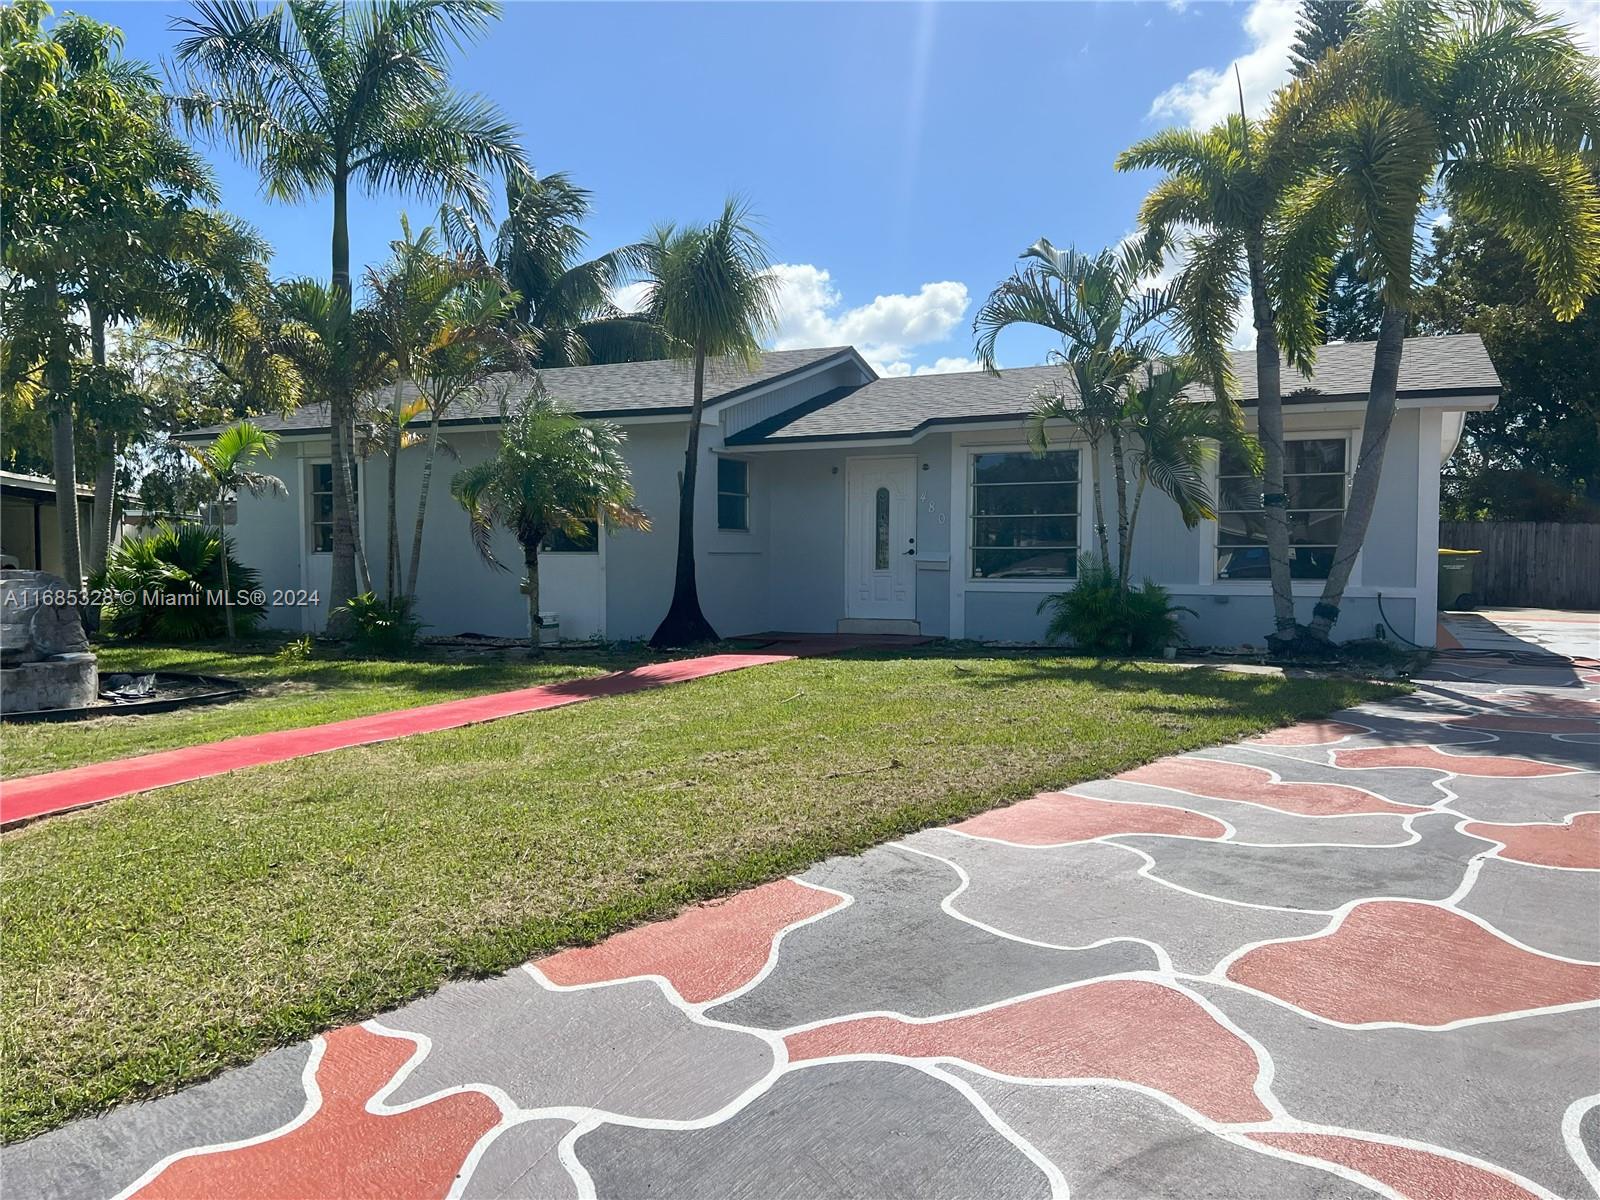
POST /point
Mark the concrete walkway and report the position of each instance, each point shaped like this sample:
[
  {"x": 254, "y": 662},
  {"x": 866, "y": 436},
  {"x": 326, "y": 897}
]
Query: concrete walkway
[{"x": 1356, "y": 957}]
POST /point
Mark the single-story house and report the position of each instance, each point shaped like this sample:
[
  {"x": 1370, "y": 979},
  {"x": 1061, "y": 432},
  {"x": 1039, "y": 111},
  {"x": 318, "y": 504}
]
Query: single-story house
[{"x": 833, "y": 499}]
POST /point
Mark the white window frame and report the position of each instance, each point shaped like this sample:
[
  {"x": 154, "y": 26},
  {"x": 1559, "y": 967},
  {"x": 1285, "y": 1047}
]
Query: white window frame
[
  {"x": 745, "y": 495},
  {"x": 1051, "y": 583},
  {"x": 1351, "y": 439}
]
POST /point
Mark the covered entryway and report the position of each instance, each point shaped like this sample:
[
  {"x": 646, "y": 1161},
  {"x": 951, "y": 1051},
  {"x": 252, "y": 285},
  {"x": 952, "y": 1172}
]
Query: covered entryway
[{"x": 880, "y": 539}]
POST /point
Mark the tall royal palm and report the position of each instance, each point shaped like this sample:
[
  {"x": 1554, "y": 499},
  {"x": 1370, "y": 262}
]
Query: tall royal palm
[
  {"x": 565, "y": 301},
  {"x": 1225, "y": 185},
  {"x": 711, "y": 294},
  {"x": 1480, "y": 99},
  {"x": 317, "y": 95}
]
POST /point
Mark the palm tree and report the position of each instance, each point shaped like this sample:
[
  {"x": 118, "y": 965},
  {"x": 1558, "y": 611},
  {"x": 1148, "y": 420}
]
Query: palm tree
[
  {"x": 331, "y": 348},
  {"x": 564, "y": 301},
  {"x": 1177, "y": 433},
  {"x": 1112, "y": 326},
  {"x": 406, "y": 299},
  {"x": 712, "y": 295},
  {"x": 227, "y": 464},
  {"x": 475, "y": 342},
  {"x": 552, "y": 472},
  {"x": 1485, "y": 99},
  {"x": 316, "y": 94},
  {"x": 1226, "y": 184}
]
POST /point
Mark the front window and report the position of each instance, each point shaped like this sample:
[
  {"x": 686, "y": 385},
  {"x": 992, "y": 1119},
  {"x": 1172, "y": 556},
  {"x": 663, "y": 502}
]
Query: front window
[
  {"x": 1313, "y": 479},
  {"x": 1025, "y": 515},
  {"x": 322, "y": 508},
  {"x": 559, "y": 541},
  {"x": 733, "y": 494}
]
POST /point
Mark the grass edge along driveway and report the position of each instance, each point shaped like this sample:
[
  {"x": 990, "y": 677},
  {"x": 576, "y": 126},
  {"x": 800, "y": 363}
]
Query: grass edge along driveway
[{"x": 155, "y": 940}]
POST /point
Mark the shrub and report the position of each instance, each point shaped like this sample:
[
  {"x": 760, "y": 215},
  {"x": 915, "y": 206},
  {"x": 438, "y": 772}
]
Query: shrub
[
  {"x": 381, "y": 626},
  {"x": 1094, "y": 617},
  {"x": 167, "y": 585},
  {"x": 298, "y": 651}
]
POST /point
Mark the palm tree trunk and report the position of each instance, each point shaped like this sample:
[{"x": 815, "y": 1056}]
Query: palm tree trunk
[
  {"x": 105, "y": 474},
  {"x": 227, "y": 595},
  {"x": 105, "y": 500},
  {"x": 391, "y": 573},
  {"x": 530, "y": 560},
  {"x": 685, "y": 624},
  {"x": 1138, "y": 499},
  {"x": 422, "y": 509},
  {"x": 1269, "y": 427},
  {"x": 1120, "y": 473},
  {"x": 1369, "y": 467},
  {"x": 64, "y": 464},
  {"x": 342, "y": 582},
  {"x": 1099, "y": 502}
]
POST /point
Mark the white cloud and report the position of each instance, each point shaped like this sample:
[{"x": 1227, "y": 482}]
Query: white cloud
[
  {"x": 886, "y": 331},
  {"x": 1208, "y": 94},
  {"x": 939, "y": 366},
  {"x": 1584, "y": 18},
  {"x": 630, "y": 296}
]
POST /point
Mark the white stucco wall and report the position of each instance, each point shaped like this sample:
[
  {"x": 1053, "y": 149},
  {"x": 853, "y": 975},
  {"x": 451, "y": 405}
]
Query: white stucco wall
[{"x": 788, "y": 570}]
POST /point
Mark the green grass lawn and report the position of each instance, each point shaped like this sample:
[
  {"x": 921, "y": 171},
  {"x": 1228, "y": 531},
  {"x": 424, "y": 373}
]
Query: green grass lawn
[
  {"x": 154, "y": 940},
  {"x": 284, "y": 695}
]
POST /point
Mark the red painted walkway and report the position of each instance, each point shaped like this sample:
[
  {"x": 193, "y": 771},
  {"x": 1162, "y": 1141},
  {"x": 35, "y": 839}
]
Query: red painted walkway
[{"x": 58, "y": 791}]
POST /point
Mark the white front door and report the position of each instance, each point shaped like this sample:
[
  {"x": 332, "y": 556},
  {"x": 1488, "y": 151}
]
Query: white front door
[{"x": 881, "y": 538}]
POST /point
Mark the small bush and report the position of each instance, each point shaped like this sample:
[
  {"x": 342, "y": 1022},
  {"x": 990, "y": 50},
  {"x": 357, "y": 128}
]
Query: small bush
[
  {"x": 381, "y": 626},
  {"x": 1093, "y": 617},
  {"x": 298, "y": 651},
  {"x": 167, "y": 586}
]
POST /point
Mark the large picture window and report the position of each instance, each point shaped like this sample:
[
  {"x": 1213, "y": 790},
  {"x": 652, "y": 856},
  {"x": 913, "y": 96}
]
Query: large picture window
[
  {"x": 733, "y": 494},
  {"x": 322, "y": 507},
  {"x": 1024, "y": 519},
  {"x": 1314, "y": 479}
]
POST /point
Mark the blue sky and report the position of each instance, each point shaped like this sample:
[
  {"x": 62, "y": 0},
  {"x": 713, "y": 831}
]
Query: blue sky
[{"x": 900, "y": 155}]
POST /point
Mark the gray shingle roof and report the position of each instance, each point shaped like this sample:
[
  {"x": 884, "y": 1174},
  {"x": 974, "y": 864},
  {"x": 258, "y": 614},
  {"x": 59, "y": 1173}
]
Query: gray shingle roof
[
  {"x": 1454, "y": 365},
  {"x": 659, "y": 387}
]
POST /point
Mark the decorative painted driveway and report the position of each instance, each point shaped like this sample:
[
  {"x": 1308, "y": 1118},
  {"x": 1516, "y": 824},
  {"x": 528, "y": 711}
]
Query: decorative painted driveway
[{"x": 1350, "y": 958}]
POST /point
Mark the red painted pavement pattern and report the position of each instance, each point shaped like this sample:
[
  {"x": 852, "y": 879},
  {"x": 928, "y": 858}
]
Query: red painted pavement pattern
[
  {"x": 1414, "y": 1174},
  {"x": 1053, "y": 818},
  {"x": 57, "y": 791},
  {"x": 1412, "y": 963},
  {"x": 1235, "y": 781},
  {"x": 1307, "y": 733},
  {"x": 1479, "y": 766},
  {"x": 1119, "y": 1029},
  {"x": 343, "y": 1150},
  {"x": 1514, "y": 723},
  {"x": 704, "y": 952},
  {"x": 1575, "y": 844}
]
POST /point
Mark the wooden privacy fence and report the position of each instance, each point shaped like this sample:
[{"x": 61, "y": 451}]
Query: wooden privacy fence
[{"x": 1538, "y": 564}]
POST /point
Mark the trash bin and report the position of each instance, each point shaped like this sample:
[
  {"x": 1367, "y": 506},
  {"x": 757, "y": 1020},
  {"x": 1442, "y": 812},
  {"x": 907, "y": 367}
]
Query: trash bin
[
  {"x": 549, "y": 628},
  {"x": 1455, "y": 579}
]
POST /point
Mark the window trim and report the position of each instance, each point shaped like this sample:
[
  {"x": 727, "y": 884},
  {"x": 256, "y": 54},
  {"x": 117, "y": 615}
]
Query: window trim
[
  {"x": 1350, "y": 438},
  {"x": 744, "y": 495},
  {"x": 1026, "y": 583}
]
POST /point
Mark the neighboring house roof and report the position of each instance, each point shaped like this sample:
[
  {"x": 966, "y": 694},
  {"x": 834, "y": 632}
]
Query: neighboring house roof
[
  {"x": 1457, "y": 365},
  {"x": 660, "y": 387},
  {"x": 15, "y": 483}
]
